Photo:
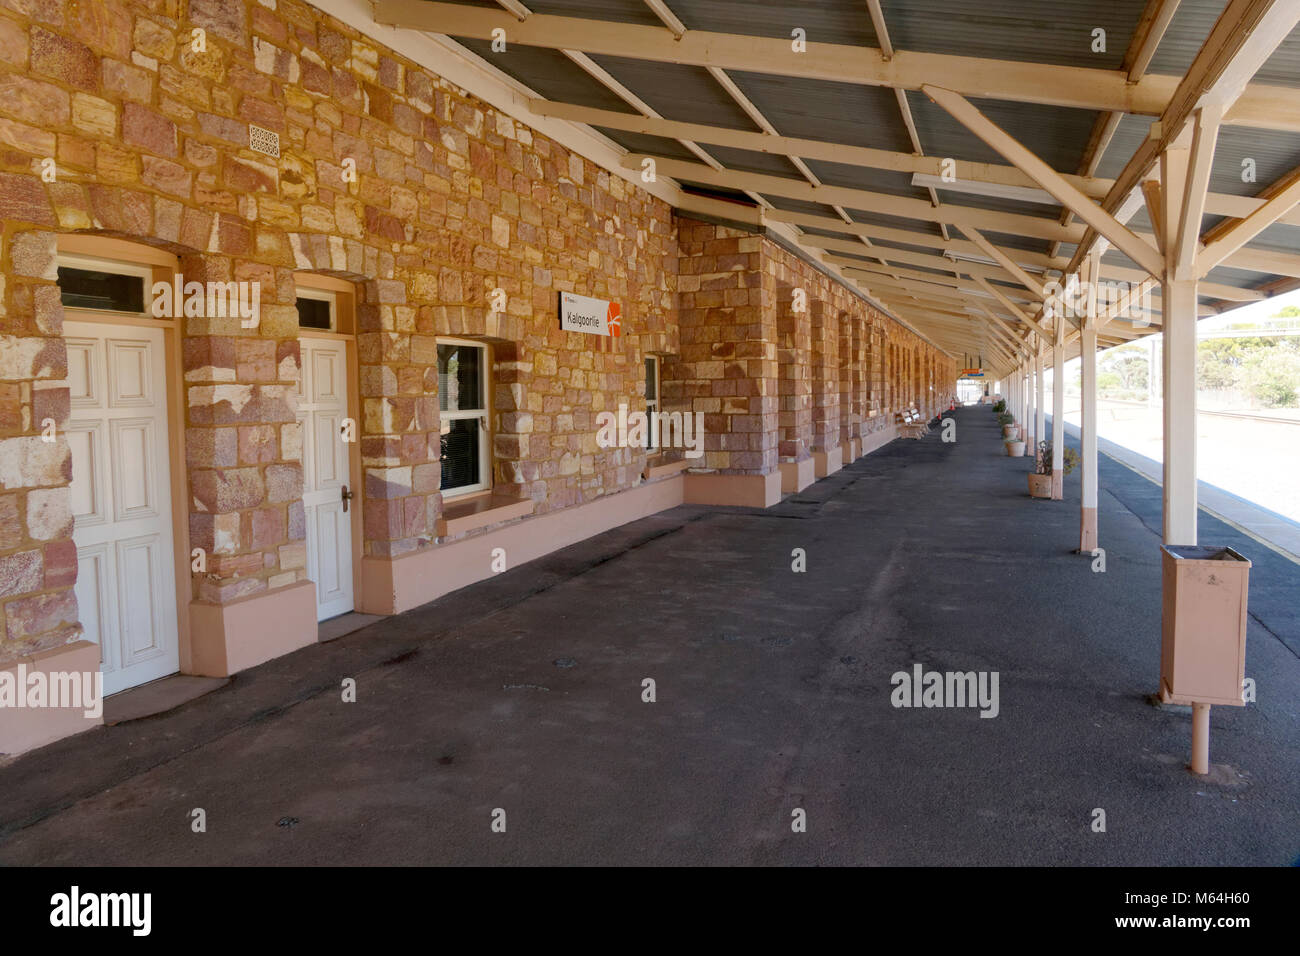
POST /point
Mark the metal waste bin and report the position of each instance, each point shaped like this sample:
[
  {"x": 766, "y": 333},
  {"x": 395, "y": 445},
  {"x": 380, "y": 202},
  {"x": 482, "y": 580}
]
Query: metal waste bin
[{"x": 1203, "y": 624}]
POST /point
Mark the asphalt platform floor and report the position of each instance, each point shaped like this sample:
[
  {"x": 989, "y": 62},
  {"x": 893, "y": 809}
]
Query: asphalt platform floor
[{"x": 524, "y": 694}]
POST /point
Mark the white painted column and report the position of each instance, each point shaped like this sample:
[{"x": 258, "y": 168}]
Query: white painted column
[
  {"x": 1058, "y": 410},
  {"x": 1088, "y": 432},
  {"x": 1029, "y": 406},
  {"x": 1040, "y": 412},
  {"x": 1178, "y": 300}
]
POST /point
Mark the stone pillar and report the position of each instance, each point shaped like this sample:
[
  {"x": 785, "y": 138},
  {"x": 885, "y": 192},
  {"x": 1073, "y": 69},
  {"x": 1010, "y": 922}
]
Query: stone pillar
[
  {"x": 827, "y": 455},
  {"x": 38, "y": 561},
  {"x": 728, "y": 368},
  {"x": 794, "y": 385},
  {"x": 849, "y": 416},
  {"x": 243, "y": 447},
  {"x": 39, "y": 627}
]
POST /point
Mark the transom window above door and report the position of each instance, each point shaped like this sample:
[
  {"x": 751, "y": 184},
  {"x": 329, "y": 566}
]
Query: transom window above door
[
  {"x": 462, "y": 401},
  {"x": 101, "y": 286},
  {"x": 317, "y": 309}
]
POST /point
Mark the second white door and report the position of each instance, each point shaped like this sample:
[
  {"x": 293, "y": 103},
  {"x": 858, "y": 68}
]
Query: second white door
[{"x": 322, "y": 409}]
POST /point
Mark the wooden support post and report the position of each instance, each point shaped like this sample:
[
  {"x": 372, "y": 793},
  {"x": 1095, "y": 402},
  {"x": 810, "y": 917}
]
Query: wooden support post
[
  {"x": 1058, "y": 410},
  {"x": 1040, "y": 410},
  {"x": 1088, "y": 432},
  {"x": 1179, "y": 411},
  {"x": 1178, "y": 302}
]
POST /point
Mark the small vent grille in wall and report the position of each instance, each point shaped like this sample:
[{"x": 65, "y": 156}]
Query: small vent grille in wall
[{"x": 264, "y": 141}]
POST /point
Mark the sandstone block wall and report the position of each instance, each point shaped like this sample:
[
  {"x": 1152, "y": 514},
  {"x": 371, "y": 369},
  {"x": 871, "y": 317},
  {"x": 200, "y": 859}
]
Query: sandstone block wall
[{"x": 428, "y": 201}]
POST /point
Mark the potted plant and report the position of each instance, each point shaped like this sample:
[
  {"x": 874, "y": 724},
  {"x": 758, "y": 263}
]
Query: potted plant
[
  {"x": 1009, "y": 427},
  {"x": 1040, "y": 479},
  {"x": 999, "y": 407},
  {"x": 1015, "y": 447}
]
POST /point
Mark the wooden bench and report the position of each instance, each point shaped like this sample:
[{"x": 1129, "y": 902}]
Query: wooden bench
[{"x": 909, "y": 426}]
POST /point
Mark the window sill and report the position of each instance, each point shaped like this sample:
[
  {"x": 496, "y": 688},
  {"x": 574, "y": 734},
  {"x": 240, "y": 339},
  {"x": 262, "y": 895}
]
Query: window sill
[
  {"x": 654, "y": 470},
  {"x": 470, "y": 514}
]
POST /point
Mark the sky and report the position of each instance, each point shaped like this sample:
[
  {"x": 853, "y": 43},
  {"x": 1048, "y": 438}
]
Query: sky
[{"x": 1253, "y": 311}]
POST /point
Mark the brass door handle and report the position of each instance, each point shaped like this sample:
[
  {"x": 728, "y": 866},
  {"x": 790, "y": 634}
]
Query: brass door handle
[{"x": 346, "y": 496}]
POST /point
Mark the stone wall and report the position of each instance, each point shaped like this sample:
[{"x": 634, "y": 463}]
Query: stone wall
[
  {"x": 141, "y": 136},
  {"x": 114, "y": 122}
]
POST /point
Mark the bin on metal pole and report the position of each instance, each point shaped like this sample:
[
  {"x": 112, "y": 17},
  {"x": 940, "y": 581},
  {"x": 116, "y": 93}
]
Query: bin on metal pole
[{"x": 1203, "y": 634}]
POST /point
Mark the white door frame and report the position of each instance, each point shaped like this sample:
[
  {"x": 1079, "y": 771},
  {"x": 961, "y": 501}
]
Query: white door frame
[
  {"x": 311, "y": 285},
  {"x": 88, "y": 250}
]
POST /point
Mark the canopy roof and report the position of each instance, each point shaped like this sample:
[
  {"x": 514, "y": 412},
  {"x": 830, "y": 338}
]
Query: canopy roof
[{"x": 848, "y": 125}]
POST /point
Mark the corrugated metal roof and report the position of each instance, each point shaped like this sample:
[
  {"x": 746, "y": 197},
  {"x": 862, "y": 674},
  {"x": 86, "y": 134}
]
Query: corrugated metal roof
[
  {"x": 1273, "y": 154},
  {"x": 1187, "y": 30},
  {"x": 686, "y": 93},
  {"x": 620, "y": 11},
  {"x": 652, "y": 145},
  {"x": 748, "y": 161},
  {"x": 998, "y": 204},
  {"x": 552, "y": 74},
  {"x": 1014, "y": 242},
  {"x": 1059, "y": 33},
  {"x": 1278, "y": 238},
  {"x": 1283, "y": 67},
  {"x": 1034, "y": 31},
  {"x": 1056, "y": 134},
  {"x": 800, "y": 206},
  {"x": 866, "y": 217},
  {"x": 826, "y": 21},
  {"x": 1129, "y": 134},
  {"x": 846, "y": 113},
  {"x": 1192, "y": 24},
  {"x": 906, "y": 246},
  {"x": 863, "y": 177}
]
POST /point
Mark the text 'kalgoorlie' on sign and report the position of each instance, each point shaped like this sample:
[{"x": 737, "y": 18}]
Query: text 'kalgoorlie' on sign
[{"x": 580, "y": 313}]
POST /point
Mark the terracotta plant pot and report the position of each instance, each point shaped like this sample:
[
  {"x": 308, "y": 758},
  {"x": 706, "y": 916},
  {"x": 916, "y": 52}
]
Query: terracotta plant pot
[
  {"x": 1015, "y": 449},
  {"x": 1040, "y": 486},
  {"x": 1010, "y": 431}
]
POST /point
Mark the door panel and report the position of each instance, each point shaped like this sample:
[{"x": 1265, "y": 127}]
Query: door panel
[
  {"x": 121, "y": 500},
  {"x": 322, "y": 407}
]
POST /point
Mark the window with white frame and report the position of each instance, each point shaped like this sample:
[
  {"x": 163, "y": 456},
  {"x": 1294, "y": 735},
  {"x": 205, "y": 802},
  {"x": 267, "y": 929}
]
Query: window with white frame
[
  {"x": 462, "y": 400},
  {"x": 317, "y": 309},
  {"x": 651, "y": 401}
]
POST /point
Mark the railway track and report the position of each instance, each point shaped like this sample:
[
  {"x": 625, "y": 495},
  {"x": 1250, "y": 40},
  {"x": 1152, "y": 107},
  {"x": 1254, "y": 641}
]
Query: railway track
[{"x": 1202, "y": 411}]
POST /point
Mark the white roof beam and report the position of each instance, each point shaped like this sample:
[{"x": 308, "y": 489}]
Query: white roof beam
[
  {"x": 1282, "y": 195},
  {"x": 1095, "y": 89},
  {"x": 975, "y": 174},
  {"x": 1094, "y": 215},
  {"x": 1245, "y": 35},
  {"x": 883, "y": 203}
]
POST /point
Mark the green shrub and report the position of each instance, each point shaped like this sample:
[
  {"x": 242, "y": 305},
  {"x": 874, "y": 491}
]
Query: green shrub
[{"x": 1069, "y": 459}]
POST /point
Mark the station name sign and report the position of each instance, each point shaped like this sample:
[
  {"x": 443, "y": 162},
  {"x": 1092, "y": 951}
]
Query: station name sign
[{"x": 579, "y": 313}]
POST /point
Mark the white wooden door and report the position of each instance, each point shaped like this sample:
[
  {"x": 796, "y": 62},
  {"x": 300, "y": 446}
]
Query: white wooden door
[
  {"x": 121, "y": 500},
  {"x": 322, "y": 407}
]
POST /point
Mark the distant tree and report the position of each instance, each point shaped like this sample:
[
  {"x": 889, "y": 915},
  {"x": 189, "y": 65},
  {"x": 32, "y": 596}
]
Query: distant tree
[
  {"x": 1108, "y": 382},
  {"x": 1273, "y": 377},
  {"x": 1128, "y": 364},
  {"x": 1219, "y": 363}
]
